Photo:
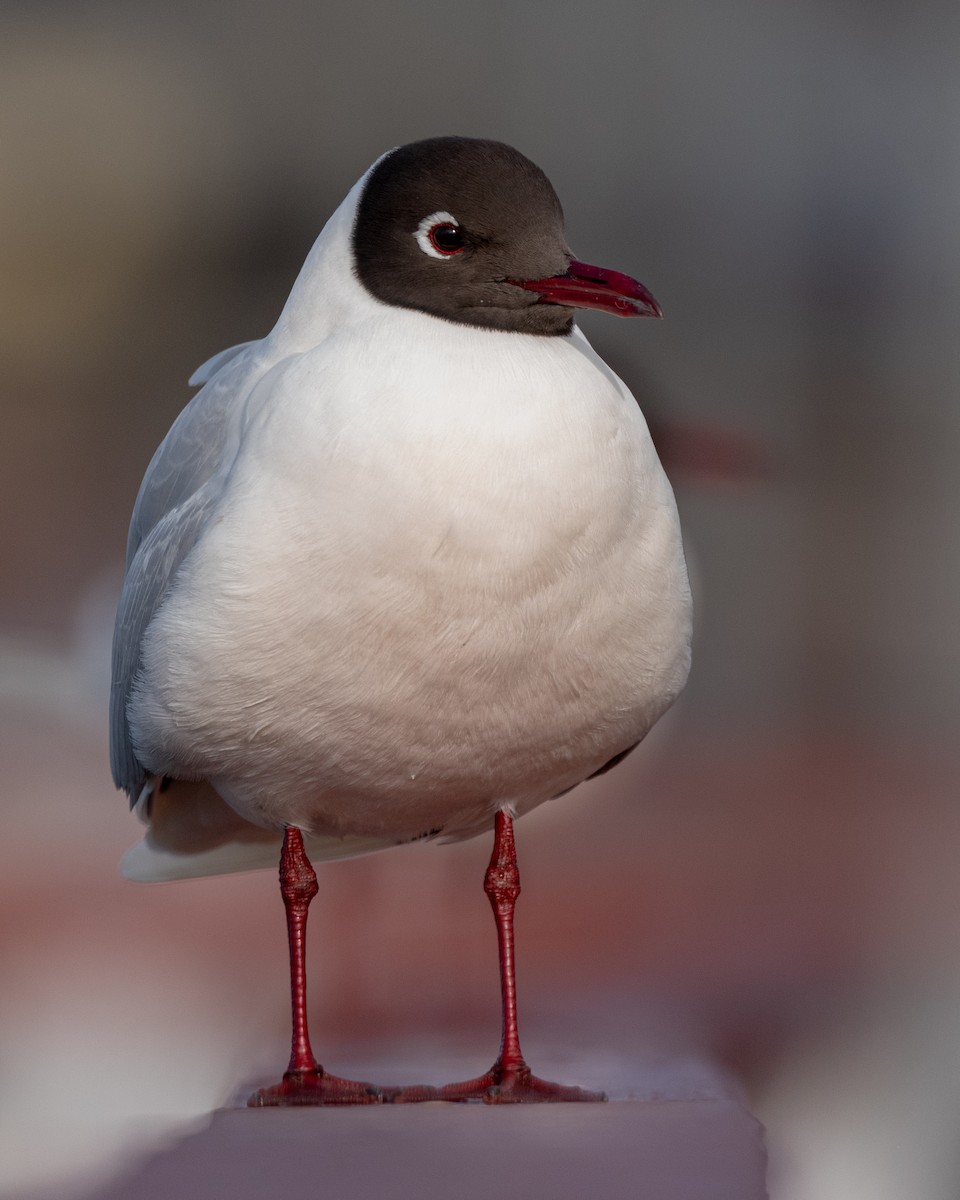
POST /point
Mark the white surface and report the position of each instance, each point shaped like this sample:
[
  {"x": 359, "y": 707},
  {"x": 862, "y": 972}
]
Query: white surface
[{"x": 667, "y": 1150}]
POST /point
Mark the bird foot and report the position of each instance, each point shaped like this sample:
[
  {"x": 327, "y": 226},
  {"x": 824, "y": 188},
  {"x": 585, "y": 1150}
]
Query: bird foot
[
  {"x": 316, "y": 1087},
  {"x": 517, "y": 1085}
]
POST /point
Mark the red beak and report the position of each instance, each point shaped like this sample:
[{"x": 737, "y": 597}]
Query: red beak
[{"x": 584, "y": 286}]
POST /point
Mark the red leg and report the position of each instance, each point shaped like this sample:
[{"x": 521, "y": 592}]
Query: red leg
[
  {"x": 509, "y": 1080},
  {"x": 305, "y": 1081}
]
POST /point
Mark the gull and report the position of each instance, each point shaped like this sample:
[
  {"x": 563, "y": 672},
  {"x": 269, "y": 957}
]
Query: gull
[{"x": 403, "y": 569}]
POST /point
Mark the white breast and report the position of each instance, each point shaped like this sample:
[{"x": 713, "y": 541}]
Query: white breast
[{"x": 430, "y": 590}]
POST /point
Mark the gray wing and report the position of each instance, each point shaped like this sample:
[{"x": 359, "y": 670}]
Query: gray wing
[
  {"x": 204, "y": 373},
  {"x": 147, "y": 582},
  {"x": 180, "y": 491},
  {"x": 202, "y": 441}
]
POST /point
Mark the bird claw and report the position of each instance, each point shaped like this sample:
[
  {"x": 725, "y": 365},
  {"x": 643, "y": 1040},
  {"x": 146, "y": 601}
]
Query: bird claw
[
  {"x": 304, "y": 1088},
  {"x": 515, "y": 1086}
]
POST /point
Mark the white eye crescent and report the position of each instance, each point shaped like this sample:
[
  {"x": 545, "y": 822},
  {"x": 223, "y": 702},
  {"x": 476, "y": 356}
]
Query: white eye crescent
[{"x": 440, "y": 235}]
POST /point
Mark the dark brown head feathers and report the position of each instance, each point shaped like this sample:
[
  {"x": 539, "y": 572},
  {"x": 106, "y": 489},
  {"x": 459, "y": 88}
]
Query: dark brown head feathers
[{"x": 442, "y": 224}]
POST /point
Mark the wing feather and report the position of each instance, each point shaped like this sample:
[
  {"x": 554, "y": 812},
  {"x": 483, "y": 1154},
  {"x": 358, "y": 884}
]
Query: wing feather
[
  {"x": 148, "y": 580},
  {"x": 180, "y": 490}
]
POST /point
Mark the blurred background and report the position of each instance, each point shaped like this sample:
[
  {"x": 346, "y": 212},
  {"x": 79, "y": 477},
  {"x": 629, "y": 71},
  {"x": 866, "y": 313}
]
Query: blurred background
[{"x": 772, "y": 879}]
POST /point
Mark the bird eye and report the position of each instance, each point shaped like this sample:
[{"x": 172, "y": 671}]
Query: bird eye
[
  {"x": 440, "y": 236},
  {"x": 446, "y": 238}
]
